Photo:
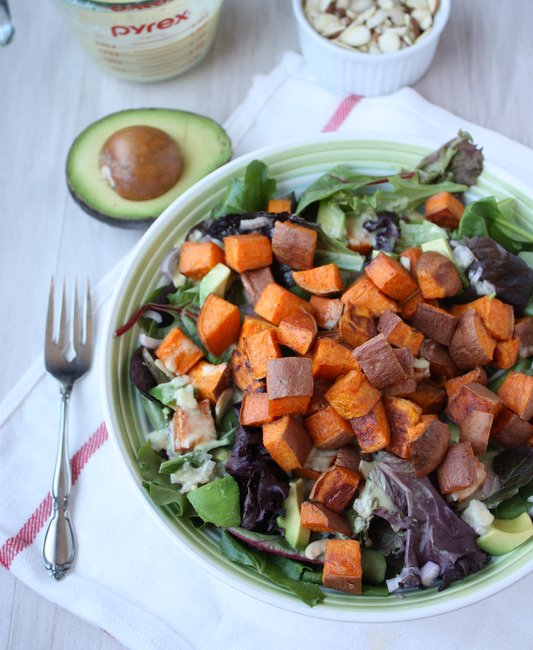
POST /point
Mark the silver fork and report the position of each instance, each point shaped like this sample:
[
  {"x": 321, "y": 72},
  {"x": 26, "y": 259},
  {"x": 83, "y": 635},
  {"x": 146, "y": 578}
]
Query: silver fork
[{"x": 67, "y": 357}]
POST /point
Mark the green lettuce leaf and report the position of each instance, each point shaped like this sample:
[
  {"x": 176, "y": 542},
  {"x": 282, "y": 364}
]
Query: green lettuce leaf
[
  {"x": 158, "y": 486},
  {"x": 339, "y": 179},
  {"x": 416, "y": 234},
  {"x": 297, "y": 578},
  {"x": 515, "y": 470},
  {"x": 248, "y": 194},
  {"x": 408, "y": 194}
]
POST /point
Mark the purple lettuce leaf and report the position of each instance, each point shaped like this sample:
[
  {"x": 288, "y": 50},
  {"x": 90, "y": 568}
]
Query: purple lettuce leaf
[
  {"x": 433, "y": 532},
  {"x": 263, "y": 486},
  {"x": 459, "y": 160}
]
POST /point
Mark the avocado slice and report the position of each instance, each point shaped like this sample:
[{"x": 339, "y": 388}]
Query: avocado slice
[
  {"x": 331, "y": 219},
  {"x": 216, "y": 281},
  {"x": 203, "y": 143},
  {"x": 295, "y": 534},
  {"x": 505, "y": 535}
]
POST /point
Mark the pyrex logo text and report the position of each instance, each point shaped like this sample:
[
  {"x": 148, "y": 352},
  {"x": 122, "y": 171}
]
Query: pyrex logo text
[{"x": 147, "y": 28}]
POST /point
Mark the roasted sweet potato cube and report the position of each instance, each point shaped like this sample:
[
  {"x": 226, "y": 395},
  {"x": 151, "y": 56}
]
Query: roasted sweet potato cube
[
  {"x": 429, "y": 397},
  {"x": 441, "y": 364},
  {"x": 399, "y": 333},
  {"x": 278, "y": 206},
  {"x": 328, "y": 430},
  {"x": 473, "y": 397},
  {"x": 320, "y": 280},
  {"x": 332, "y": 359},
  {"x": 523, "y": 329},
  {"x": 242, "y": 373},
  {"x": 317, "y": 517},
  {"x": 348, "y": 456},
  {"x": 356, "y": 328},
  {"x": 391, "y": 277},
  {"x": 509, "y": 430},
  {"x": 409, "y": 257},
  {"x": 198, "y": 258},
  {"x": 219, "y": 324},
  {"x": 276, "y": 303},
  {"x": 372, "y": 430},
  {"x": 255, "y": 280},
  {"x": 286, "y": 440},
  {"x": 458, "y": 469},
  {"x": 327, "y": 311},
  {"x": 437, "y": 276},
  {"x": 289, "y": 377},
  {"x": 471, "y": 344},
  {"x": 506, "y": 353},
  {"x": 252, "y": 325},
  {"x": 496, "y": 316},
  {"x": 193, "y": 427},
  {"x": 454, "y": 385},
  {"x": 294, "y": 245},
  {"x": 403, "y": 388},
  {"x": 444, "y": 209},
  {"x": 406, "y": 359},
  {"x": 260, "y": 348},
  {"x": 178, "y": 353},
  {"x": 352, "y": 395},
  {"x": 408, "y": 308},
  {"x": 435, "y": 323},
  {"x": 318, "y": 401},
  {"x": 403, "y": 415},
  {"x": 298, "y": 331},
  {"x": 255, "y": 410},
  {"x": 342, "y": 566},
  {"x": 379, "y": 363},
  {"x": 429, "y": 447},
  {"x": 288, "y": 406},
  {"x": 475, "y": 428},
  {"x": 247, "y": 252},
  {"x": 517, "y": 394},
  {"x": 364, "y": 294},
  {"x": 210, "y": 380},
  {"x": 335, "y": 488}
]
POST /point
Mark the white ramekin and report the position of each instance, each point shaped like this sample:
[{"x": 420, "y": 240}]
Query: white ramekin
[{"x": 348, "y": 71}]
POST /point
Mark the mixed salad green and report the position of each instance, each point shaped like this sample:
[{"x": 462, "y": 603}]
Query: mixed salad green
[{"x": 411, "y": 532}]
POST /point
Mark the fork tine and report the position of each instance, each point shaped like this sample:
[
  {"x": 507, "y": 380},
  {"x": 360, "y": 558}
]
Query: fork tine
[
  {"x": 88, "y": 317},
  {"x": 75, "y": 333},
  {"x": 49, "y": 336},
  {"x": 62, "y": 334}
]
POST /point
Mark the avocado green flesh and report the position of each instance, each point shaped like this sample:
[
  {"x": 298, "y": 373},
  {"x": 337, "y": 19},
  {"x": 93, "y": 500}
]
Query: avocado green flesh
[
  {"x": 216, "y": 281},
  {"x": 204, "y": 146},
  {"x": 295, "y": 534},
  {"x": 505, "y": 535},
  {"x": 332, "y": 220}
]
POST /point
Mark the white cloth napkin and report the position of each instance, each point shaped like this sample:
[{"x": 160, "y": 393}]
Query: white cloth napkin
[{"x": 129, "y": 578}]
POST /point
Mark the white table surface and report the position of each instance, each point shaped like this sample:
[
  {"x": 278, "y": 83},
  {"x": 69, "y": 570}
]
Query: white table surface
[{"x": 49, "y": 91}]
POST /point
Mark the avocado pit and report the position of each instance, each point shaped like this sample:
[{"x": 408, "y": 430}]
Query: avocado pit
[{"x": 141, "y": 162}]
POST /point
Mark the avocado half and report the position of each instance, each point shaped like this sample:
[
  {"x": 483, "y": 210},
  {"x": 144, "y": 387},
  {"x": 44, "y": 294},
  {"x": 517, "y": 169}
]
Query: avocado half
[{"x": 204, "y": 146}]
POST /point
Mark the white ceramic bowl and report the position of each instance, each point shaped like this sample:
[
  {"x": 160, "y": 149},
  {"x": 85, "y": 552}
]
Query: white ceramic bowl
[
  {"x": 348, "y": 71},
  {"x": 295, "y": 165}
]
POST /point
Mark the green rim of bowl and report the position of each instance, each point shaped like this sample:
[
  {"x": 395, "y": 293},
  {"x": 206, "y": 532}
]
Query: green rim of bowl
[{"x": 294, "y": 165}]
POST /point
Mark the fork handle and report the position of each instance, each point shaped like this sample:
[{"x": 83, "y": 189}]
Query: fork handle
[{"x": 59, "y": 548}]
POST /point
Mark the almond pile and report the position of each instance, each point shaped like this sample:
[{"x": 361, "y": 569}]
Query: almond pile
[{"x": 373, "y": 26}]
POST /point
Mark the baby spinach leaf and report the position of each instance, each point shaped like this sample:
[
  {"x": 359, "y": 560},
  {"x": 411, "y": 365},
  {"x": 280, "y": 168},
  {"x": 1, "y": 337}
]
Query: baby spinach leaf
[
  {"x": 339, "y": 179},
  {"x": 157, "y": 485},
  {"x": 283, "y": 572},
  {"x": 248, "y": 194},
  {"x": 515, "y": 469},
  {"x": 516, "y": 505},
  {"x": 408, "y": 194}
]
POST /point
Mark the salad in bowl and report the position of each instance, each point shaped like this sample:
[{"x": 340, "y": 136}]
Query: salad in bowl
[{"x": 337, "y": 378}]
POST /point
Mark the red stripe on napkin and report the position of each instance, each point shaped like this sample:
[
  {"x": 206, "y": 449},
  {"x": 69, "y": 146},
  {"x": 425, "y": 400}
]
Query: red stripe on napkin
[
  {"x": 29, "y": 531},
  {"x": 341, "y": 113}
]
